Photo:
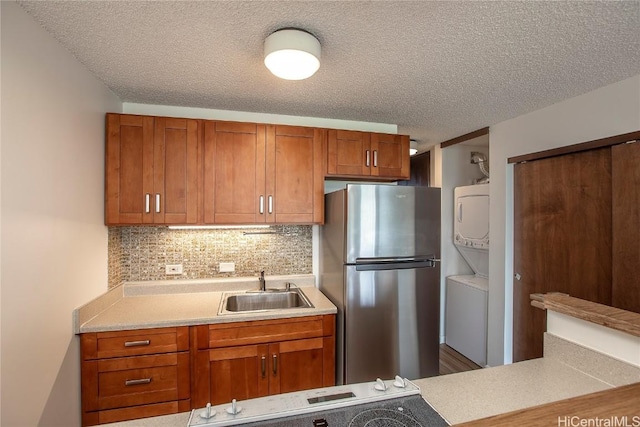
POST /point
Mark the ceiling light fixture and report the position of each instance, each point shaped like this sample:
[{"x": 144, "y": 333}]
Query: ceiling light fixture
[
  {"x": 292, "y": 54},
  {"x": 413, "y": 147}
]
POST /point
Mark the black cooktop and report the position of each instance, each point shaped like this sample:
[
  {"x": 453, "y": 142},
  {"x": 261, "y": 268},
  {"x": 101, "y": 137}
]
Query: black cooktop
[{"x": 412, "y": 411}]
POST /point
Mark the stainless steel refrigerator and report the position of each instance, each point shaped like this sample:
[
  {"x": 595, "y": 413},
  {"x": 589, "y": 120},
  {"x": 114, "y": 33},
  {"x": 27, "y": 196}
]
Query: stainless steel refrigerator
[{"x": 379, "y": 264}]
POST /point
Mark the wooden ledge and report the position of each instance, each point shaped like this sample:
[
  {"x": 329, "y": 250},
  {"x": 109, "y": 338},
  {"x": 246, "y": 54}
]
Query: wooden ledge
[
  {"x": 611, "y": 317},
  {"x": 616, "y": 403}
]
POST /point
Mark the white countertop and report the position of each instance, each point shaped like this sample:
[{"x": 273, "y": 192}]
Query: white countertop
[{"x": 142, "y": 305}]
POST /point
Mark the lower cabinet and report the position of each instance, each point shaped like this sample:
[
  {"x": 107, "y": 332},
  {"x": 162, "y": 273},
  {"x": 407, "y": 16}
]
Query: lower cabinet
[
  {"x": 143, "y": 373},
  {"x": 134, "y": 374},
  {"x": 253, "y": 359}
]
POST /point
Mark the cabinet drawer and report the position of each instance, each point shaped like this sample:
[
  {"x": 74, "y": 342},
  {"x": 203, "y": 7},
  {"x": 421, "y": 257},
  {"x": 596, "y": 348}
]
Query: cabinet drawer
[
  {"x": 131, "y": 381},
  {"x": 265, "y": 331},
  {"x": 103, "y": 345},
  {"x": 135, "y": 412}
]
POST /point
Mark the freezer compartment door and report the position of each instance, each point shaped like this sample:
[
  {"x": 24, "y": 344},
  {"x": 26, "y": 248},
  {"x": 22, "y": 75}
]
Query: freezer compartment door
[
  {"x": 385, "y": 221},
  {"x": 391, "y": 323}
]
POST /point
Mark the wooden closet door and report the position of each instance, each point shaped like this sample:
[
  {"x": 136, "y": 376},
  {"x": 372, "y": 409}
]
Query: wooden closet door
[
  {"x": 562, "y": 238},
  {"x": 625, "y": 159},
  {"x": 176, "y": 171},
  {"x": 234, "y": 156}
]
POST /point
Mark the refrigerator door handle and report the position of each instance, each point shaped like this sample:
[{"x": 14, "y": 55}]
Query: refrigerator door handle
[
  {"x": 419, "y": 258},
  {"x": 396, "y": 265}
]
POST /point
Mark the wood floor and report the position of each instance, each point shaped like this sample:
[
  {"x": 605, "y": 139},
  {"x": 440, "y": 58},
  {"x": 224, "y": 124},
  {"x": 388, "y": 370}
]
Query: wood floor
[{"x": 451, "y": 361}]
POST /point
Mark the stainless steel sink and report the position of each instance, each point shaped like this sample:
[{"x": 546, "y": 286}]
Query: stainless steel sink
[{"x": 266, "y": 300}]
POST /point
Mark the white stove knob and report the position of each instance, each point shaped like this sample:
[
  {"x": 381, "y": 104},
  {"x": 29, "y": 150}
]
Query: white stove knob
[
  {"x": 234, "y": 409},
  {"x": 380, "y": 385},
  {"x": 399, "y": 382}
]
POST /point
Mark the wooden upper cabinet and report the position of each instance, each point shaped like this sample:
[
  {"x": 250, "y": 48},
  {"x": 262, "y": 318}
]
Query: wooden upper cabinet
[
  {"x": 370, "y": 155},
  {"x": 152, "y": 170},
  {"x": 175, "y": 171},
  {"x": 234, "y": 157},
  {"x": 390, "y": 156},
  {"x": 294, "y": 175},
  {"x": 256, "y": 173},
  {"x": 348, "y": 153},
  {"x": 129, "y": 169}
]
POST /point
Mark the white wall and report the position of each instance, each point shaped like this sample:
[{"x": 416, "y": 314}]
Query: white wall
[
  {"x": 456, "y": 170},
  {"x": 607, "y": 111},
  {"x": 243, "y": 116},
  {"x": 54, "y": 243}
]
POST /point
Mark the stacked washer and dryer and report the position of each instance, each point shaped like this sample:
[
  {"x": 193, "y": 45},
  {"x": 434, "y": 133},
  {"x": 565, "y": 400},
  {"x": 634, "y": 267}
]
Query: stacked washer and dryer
[{"x": 467, "y": 295}]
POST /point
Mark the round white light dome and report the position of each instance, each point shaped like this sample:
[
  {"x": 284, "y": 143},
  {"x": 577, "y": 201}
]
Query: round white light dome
[{"x": 292, "y": 54}]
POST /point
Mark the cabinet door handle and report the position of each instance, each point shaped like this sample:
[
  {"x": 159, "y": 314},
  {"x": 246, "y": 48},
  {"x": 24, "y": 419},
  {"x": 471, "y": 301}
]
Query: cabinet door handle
[
  {"x": 263, "y": 362},
  {"x": 261, "y": 205},
  {"x": 368, "y": 159},
  {"x": 137, "y": 382},
  {"x": 137, "y": 343},
  {"x": 157, "y": 202},
  {"x": 147, "y": 203},
  {"x": 375, "y": 158},
  {"x": 275, "y": 364},
  {"x": 270, "y": 204}
]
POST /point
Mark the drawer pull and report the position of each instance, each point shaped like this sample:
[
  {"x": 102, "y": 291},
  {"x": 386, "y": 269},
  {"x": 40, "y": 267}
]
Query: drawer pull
[
  {"x": 137, "y": 382},
  {"x": 137, "y": 343},
  {"x": 275, "y": 364},
  {"x": 264, "y": 366}
]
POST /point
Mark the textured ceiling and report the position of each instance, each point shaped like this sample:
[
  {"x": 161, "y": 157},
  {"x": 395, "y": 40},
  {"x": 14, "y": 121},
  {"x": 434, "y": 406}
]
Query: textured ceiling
[{"x": 436, "y": 69}]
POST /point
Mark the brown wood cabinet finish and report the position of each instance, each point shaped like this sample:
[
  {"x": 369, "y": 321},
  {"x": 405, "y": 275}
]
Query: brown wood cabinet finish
[
  {"x": 625, "y": 168},
  {"x": 251, "y": 359},
  {"x": 256, "y": 173},
  {"x": 562, "y": 238},
  {"x": 152, "y": 170},
  {"x": 129, "y": 168},
  {"x": 358, "y": 155},
  {"x": 234, "y": 156},
  {"x": 295, "y": 175},
  {"x": 134, "y": 374}
]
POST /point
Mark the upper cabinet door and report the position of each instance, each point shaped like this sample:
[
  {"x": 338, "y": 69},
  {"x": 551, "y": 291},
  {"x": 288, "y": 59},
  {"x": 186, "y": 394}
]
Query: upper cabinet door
[
  {"x": 129, "y": 170},
  {"x": 234, "y": 173},
  {"x": 294, "y": 175},
  {"x": 152, "y": 170},
  {"x": 348, "y": 153},
  {"x": 175, "y": 170},
  {"x": 390, "y": 155},
  {"x": 363, "y": 154}
]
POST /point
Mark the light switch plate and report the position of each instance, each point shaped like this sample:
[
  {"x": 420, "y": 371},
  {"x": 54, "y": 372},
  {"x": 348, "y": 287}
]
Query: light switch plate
[{"x": 226, "y": 267}]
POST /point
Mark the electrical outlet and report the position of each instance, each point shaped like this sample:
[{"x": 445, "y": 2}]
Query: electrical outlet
[
  {"x": 226, "y": 267},
  {"x": 173, "y": 269}
]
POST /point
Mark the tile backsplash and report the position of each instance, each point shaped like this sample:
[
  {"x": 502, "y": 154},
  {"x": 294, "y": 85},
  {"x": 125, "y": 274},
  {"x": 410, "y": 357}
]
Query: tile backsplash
[{"x": 141, "y": 253}]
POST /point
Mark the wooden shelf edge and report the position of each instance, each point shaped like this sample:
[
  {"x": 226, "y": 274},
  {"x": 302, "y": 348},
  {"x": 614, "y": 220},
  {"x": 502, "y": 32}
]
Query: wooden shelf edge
[
  {"x": 600, "y": 314},
  {"x": 617, "y": 402}
]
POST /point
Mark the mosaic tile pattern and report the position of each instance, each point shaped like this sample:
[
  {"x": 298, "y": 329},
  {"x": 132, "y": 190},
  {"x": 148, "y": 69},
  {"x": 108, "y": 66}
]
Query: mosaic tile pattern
[
  {"x": 143, "y": 252},
  {"x": 114, "y": 255}
]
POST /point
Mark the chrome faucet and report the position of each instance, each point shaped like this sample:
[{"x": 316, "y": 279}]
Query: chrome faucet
[{"x": 263, "y": 286}]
